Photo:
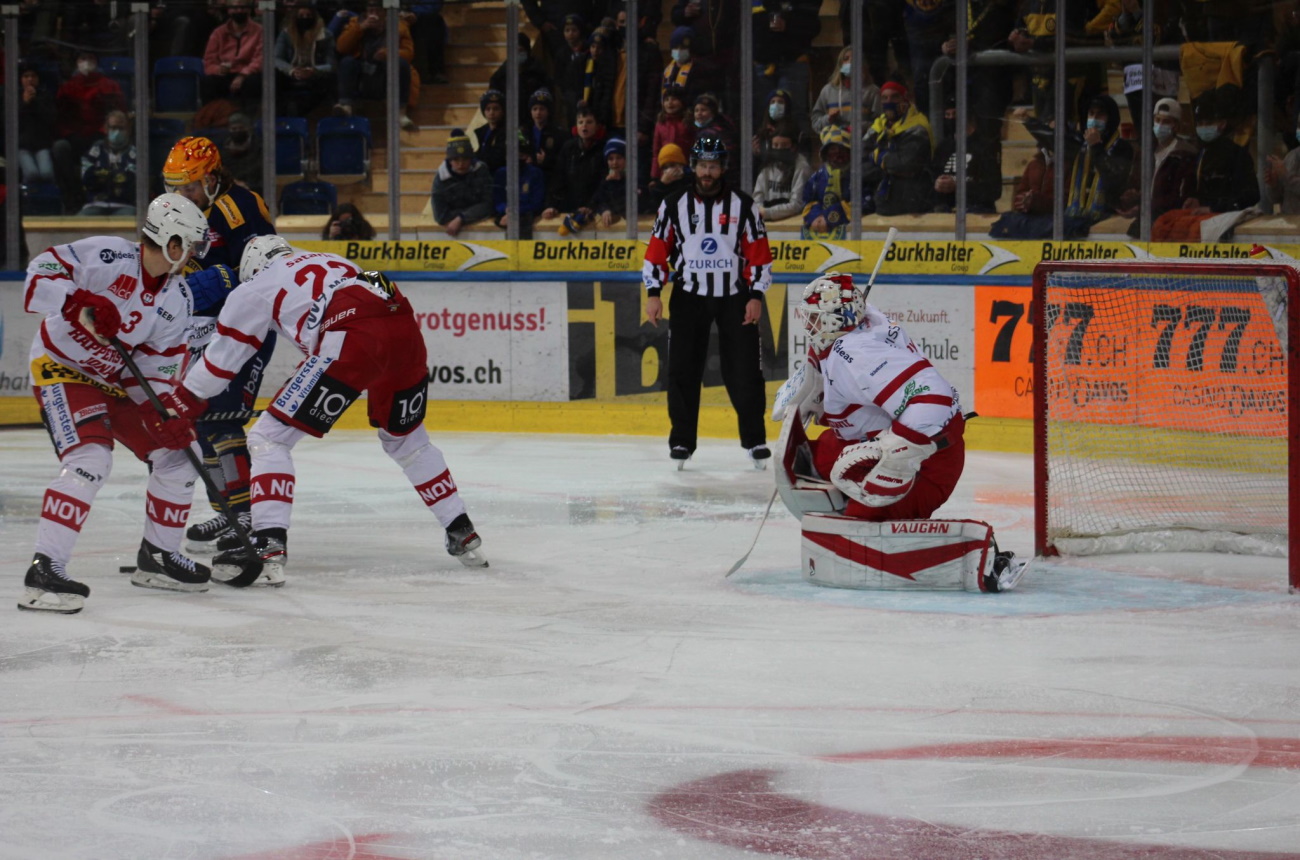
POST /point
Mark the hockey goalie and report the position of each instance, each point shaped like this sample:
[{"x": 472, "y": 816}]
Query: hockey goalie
[{"x": 864, "y": 490}]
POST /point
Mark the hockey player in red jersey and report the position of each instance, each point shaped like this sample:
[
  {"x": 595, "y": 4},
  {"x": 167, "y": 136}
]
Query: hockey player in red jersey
[
  {"x": 91, "y": 292},
  {"x": 358, "y": 333},
  {"x": 895, "y": 448}
]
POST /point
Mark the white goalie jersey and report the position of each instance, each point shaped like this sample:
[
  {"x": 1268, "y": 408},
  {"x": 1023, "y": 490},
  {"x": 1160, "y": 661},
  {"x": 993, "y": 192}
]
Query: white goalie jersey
[
  {"x": 875, "y": 375},
  {"x": 155, "y": 314}
]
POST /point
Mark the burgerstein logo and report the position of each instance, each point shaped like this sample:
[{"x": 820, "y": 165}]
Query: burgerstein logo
[{"x": 709, "y": 245}]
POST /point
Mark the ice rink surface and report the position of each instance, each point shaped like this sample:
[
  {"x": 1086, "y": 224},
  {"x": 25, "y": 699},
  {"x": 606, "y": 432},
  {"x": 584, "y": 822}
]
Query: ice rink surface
[{"x": 603, "y": 692}]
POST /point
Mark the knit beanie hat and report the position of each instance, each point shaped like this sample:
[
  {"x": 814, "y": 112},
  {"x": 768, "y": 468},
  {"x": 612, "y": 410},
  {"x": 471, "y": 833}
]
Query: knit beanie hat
[
  {"x": 681, "y": 38},
  {"x": 490, "y": 97},
  {"x": 671, "y": 153},
  {"x": 541, "y": 97},
  {"x": 615, "y": 144},
  {"x": 458, "y": 145},
  {"x": 894, "y": 87}
]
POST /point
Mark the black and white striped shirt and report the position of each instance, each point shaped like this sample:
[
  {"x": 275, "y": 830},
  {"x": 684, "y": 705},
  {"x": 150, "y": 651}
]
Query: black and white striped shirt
[{"x": 714, "y": 246}]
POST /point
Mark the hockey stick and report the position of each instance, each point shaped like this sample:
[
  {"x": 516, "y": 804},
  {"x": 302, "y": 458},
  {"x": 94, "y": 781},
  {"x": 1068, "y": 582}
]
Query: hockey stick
[
  {"x": 880, "y": 261},
  {"x": 250, "y": 574},
  {"x": 744, "y": 558}
]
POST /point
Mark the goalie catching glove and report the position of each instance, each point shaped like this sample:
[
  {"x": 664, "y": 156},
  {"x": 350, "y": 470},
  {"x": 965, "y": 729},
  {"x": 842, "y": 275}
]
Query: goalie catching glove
[{"x": 897, "y": 460}]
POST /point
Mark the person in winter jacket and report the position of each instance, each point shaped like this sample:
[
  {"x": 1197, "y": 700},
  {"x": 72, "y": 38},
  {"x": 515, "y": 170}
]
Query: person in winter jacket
[
  {"x": 778, "y": 189},
  {"x": 579, "y": 167},
  {"x": 1100, "y": 171},
  {"x": 37, "y": 121},
  {"x": 609, "y": 203},
  {"x": 304, "y": 61},
  {"x": 671, "y": 125},
  {"x": 673, "y": 176},
  {"x": 899, "y": 151},
  {"x": 363, "y": 52},
  {"x": 983, "y": 168},
  {"x": 232, "y": 63},
  {"x": 462, "y": 188},
  {"x": 827, "y": 192},
  {"x": 783, "y": 35},
  {"x": 1225, "y": 172},
  {"x": 834, "y": 106},
  {"x": 544, "y": 135},
  {"x": 532, "y": 190},
  {"x": 491, "y": 136},
  {"x": 108, "y": 170}
]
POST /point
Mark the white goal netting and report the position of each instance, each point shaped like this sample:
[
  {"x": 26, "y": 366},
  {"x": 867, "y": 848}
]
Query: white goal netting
[{"x": 1163, "y": 408}]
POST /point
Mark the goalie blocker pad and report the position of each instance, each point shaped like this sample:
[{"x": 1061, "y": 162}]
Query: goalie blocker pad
[
  {"x": 800, "y": 491},
  {"x": 928, "y": 555}
]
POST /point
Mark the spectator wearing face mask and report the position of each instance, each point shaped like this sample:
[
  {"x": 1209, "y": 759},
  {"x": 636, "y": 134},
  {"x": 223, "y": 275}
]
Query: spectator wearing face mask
[
  {"x": 1175, "y": 168},
  {"x": 692, "y": 73},
  {"x": 108, "y": 170},
  {"x": 232, "y": 63},
  {"x": 1225, "y": 172},
  {"x": 242, "y": 152},
  {"x": 304, "y": 61},
  {"x": 776, "y": 113},
  {"x": 783, "y": 35},
  {"x": 1100, "y": 171},
  {"x": 83, "y": 103},
  {"x": 834, "y": 105},
  {"x": 899, "y": 153},
  {"x": 778, "y": 189},
  {"x": 983, "y": 167}
]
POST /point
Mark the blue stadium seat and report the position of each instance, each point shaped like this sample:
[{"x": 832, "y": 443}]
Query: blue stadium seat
[
  {"x": 308, "y": 198},
  {"x": 343, "y": 148},
  {"x": 290, "y": 146},
  {"x": 122, "y": 70},
  {"x": 42, "y": 198},
  {"x": 176, "y": 85}
]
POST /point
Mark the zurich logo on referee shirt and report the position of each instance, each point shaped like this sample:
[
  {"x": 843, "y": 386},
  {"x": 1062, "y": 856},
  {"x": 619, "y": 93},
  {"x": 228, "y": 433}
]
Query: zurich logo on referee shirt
[{"x": 709, "y": 245}]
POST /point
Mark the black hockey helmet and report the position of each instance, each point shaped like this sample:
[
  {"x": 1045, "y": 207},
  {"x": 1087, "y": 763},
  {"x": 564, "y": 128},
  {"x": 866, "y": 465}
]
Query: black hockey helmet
[{"x": 709, "y": 147}]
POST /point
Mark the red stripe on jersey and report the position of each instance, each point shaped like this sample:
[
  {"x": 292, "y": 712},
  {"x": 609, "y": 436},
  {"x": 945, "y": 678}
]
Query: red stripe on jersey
[
  {"x": 916, "y": 437},
  {"x": 64, "y": 510},
  {"x": 166, "y": 514},
  {"x": 31, "y": 288},
  {"x": 271, "y": 487},
  {"x": 236, "y": 334},
  {"x": 145, "y": 349},
  {"x": 275, "y": 308},
  {"x": 656, "y": 253},
  {"x": 62, "y": 262},
  {"x": 434, "y": 491},
  {"x": 897, "y": 383},
  {"x": 852, "y": 407},
  {"x": 217, "y": 371},
  {"x": 297, "y": 330},
  {"x": 940, "y": 399}
]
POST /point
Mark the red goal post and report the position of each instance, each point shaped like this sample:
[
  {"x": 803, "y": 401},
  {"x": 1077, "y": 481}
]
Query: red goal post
[{"x": 1165, "y": 408}]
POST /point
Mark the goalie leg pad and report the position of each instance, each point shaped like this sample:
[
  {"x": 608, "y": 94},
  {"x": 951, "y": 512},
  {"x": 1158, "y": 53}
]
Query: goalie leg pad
[
  {"x": 946, "y": 555},
  {"x": 801, "y": 489}
]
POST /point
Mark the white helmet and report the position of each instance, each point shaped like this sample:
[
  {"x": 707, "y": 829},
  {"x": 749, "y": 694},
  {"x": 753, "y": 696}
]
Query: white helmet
[
  {"x": 173, "y": 216},
  {"x": 260, "y": 251},
  {"x": 831, "y": 306}
]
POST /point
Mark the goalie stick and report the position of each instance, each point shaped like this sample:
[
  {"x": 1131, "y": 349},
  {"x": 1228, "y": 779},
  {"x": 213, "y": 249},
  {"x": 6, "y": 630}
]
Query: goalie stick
[
  {"x": 250, "y": 574},
  {"x": 880, "y": 262}
]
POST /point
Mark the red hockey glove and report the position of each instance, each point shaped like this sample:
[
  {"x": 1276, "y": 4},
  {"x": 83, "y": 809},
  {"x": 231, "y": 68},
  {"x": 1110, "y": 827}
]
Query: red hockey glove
[
  {"x": 171, "y": 432},
  {"x": 95, "y": 313},
  {"x": 183, "y": 403}
]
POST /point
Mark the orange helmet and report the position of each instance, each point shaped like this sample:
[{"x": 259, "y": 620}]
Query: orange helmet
[{"x": 191, "y": 159}]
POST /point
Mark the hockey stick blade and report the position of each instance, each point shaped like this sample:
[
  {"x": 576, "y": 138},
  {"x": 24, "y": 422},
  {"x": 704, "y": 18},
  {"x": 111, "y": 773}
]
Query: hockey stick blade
[
  {"x": 740, "y": 562},
  {"x": 248, "y": 576}
]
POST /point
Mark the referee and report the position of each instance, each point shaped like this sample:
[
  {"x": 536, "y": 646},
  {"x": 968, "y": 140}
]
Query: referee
[{"x": 713, "y": 240}]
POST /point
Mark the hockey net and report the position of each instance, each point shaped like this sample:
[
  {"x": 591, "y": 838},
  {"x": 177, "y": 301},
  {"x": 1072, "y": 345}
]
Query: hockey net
[{"x": 1165, "y": 408}]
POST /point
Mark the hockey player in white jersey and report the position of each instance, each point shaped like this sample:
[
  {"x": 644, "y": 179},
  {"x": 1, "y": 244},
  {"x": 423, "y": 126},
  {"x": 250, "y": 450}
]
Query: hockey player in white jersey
[
  {"x": 91, "y": 292},
  {"x": 895, "y": 450},
  {"x": 358, "y": 333}
]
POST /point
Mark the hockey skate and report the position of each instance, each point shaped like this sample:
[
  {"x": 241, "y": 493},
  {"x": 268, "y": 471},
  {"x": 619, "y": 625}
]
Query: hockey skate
[
  {"x": 270, "y": 549},
  {"x": 463, "y": 542},
  {"x": 228, "y": 540},
  {"x": 680, "y": 455},
  {"x": 202, "y": 537},
  {"x": 1006, "y": 573},
  {"x": 759, "y": 455},
  {"x": 170, "y": 571},
  {"x": 48, "y": 588}
]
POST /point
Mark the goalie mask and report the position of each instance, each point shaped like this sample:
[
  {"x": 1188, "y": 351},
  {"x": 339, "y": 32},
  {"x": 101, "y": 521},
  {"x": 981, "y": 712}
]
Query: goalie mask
[{"x": 832, "y": 306}]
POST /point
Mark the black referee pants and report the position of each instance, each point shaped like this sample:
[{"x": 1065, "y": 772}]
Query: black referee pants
[{"x": 690, "y": 317}]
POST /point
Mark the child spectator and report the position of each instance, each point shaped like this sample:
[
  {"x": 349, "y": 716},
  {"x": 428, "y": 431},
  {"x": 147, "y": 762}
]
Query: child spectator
[
  {"x": 673, "y": 177},
  {"x": 543, "y": 135},
  {"x": 462, "y": 188},
  {"x": 900, "y": 150},
  {"x": 347, "y": 224},
  {"x": 108, "y": 170},
  {"x": 827, "y": 192},
  {"x": 834, "y": 106},
  {"x": 37, "y": 120},
  {"x": 578, "y": 169},
  {"x": 532, "y": 191},
  {"x": 670, "y": 126},
  {"x": 363, "y": 53},
  {"x": 609, "y": 203},
  {"x": 304, "y": 60},
  {"x": 778, "y": 190},
  {"x": 491, "y": 136},
  {"x": 232, "y": 63}
]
